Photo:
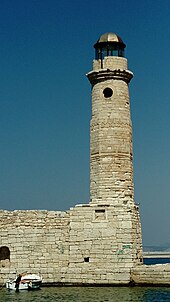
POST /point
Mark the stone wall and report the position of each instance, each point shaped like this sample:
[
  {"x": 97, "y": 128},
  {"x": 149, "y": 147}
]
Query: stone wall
[
  {"x": 102, "y": 246},
  {"x": 158, "y": 274},
  {"x": 90, "y": 244},
  {"x": 38, "y": 241}
]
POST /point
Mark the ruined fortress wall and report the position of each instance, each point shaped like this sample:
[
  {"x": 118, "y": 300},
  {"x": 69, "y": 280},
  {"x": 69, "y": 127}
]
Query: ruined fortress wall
[
  {"x": 87, "y": 245},
  {"x": 90, "y": 244},
  {"x": 38, "y": 242}
]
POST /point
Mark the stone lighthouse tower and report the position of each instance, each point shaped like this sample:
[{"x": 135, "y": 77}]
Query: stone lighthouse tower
[
  {"x": 111, "y": 166},
  {"x": 111, "y": 174},
  {"x": 105, "y": 235}
]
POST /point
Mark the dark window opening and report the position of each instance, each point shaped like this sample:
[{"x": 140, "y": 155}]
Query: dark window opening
[
  {"x": 100, "y": 211},
  {"x": 108, "y": 92},
  {"x": 100, "y": 214},
  {"x": 4, "y": 253},
  {"x": 86, "y": 259}
]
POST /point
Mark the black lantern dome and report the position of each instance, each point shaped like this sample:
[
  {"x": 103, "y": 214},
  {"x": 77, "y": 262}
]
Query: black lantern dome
[{"x": 109, "y": 44}]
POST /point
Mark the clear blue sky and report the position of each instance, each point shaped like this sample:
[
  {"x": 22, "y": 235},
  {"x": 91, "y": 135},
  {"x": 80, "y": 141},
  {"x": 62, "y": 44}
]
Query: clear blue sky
[{"x": 46, "y": 48}]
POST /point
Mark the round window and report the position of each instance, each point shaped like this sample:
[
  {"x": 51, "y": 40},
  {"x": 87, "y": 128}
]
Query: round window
[{"x": 108, "y": 92}]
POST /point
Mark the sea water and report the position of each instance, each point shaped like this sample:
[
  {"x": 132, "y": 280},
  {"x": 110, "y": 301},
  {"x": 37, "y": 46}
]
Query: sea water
[
  {"x": 88, "y": 294},
  {"x": 160, "y": 260}
]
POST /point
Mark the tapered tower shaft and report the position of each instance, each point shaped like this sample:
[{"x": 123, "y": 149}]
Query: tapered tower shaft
[{"x": 111, "y": 169}]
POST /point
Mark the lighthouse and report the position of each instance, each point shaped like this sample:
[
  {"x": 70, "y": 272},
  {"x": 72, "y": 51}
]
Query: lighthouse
[
  {"x": 111, "y": 169},
  {"x": 111, "y": 159},
  {"x": 97, "y": 242}
]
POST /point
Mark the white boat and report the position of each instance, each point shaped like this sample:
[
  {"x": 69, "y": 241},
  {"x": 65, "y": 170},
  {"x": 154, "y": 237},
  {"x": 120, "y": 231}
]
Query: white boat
[{"x": 27, "y": 282}]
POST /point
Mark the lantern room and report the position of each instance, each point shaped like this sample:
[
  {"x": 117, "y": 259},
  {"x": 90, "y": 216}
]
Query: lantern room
[{"x": 109, "y": 44}]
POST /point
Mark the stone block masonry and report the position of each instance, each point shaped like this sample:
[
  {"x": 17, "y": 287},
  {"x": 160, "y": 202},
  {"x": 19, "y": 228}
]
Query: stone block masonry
[
  {"x": 97, "y": 243},
  {"x": 158, "y": 274},
  {"x": 111, "y": 134},
  {"x": 86, "y": 245},
  {"x": 101, "y": 244},
  {"x": 37, "y": 242}
]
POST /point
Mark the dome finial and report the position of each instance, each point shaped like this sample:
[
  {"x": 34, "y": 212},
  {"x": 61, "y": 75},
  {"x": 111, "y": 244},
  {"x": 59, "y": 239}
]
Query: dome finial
[{"x": 110, "y": 37}]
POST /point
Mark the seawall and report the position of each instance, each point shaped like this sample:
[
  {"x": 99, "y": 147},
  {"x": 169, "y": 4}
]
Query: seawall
[{"x": 157, "y": 274}]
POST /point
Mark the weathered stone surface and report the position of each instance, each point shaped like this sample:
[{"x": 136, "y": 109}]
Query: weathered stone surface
[
  {"x": 96, "y": 243},
  {"x": 88, "y": 244},
  {"x": 158, "y": 274}
]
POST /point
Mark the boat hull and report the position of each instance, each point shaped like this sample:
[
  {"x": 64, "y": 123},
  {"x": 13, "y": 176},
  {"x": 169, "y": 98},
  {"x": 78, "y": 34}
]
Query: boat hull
[{"x": 28, "y": 282}]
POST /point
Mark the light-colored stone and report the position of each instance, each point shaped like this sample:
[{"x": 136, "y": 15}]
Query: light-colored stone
[{"x": 99, "y": 242}]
